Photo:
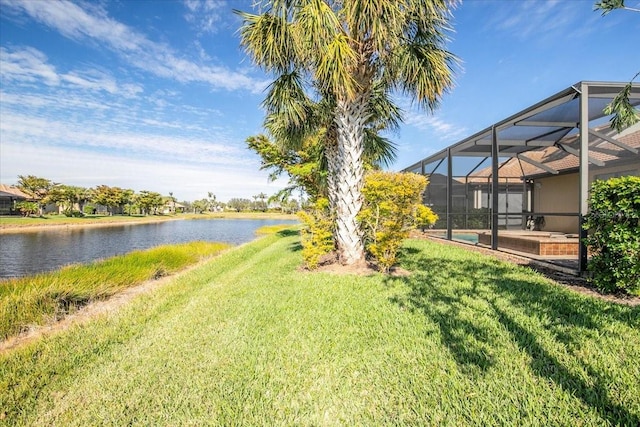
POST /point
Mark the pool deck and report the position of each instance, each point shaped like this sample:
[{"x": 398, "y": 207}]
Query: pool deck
[
  {"x": 554, "y": 250},
  {"x": 541, "y": 243}
]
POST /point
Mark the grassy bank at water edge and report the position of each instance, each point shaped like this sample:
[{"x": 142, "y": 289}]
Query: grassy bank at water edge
[
  {"x": 38, "y": 299},
  {"x": 249, "y": 339}
]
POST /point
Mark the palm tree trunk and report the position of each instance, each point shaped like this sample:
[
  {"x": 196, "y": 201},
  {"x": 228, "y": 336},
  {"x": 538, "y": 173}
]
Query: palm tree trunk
[
  {"x": 331, "y": 154},
  {"x": 350, "y": 119}
]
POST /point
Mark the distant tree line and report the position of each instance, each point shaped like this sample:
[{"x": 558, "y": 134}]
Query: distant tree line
[{"x": 77, "y": 201}]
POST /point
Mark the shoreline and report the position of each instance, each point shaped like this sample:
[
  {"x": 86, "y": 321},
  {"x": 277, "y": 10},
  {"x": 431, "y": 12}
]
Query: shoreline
[
  {"x": 28, "y": 228},
  {"x": 119, "y": 221}
]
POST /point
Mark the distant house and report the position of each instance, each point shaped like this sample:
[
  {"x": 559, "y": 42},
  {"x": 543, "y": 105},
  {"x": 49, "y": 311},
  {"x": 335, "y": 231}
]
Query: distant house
[
  {"x": 171, "y": 207},
  {"x": 9, "y": 195}
]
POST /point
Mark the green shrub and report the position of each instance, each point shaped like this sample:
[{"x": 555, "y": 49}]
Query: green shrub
[
  {"x": 390, "y": 209},
  {"x": 89, "y": 209},
  {"x": 317, "y": 233},
  {"x": 614, "y": 234},
  {"x": 389, "y": 212},
  {"x": 27, "y": 208},
  {"x": 70, "y": 213}
]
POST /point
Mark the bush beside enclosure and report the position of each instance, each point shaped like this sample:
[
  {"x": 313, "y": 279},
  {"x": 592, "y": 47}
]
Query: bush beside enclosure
[{"x": 613, "y": 223}]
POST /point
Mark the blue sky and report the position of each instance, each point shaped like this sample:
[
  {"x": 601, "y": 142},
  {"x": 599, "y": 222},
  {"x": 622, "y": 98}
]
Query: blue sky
[{"x": 159, "y": 95}]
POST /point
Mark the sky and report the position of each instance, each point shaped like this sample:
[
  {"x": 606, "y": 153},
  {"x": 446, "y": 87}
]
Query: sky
[{"x": 159, "y": 95}]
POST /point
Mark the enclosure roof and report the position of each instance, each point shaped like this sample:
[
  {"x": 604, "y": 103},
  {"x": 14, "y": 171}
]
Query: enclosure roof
[
  {"x": 558, "y": 160},
  {"x": 546, "y": 124}
]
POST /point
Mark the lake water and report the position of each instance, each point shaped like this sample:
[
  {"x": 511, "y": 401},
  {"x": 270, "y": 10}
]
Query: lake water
[{"x": 22, "y": 254}]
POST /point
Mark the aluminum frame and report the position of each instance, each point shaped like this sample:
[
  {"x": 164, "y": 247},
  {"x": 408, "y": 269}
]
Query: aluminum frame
[{"x": 572, "y": 111}]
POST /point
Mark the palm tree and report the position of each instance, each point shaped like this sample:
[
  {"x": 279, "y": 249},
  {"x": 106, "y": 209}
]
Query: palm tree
[
  {"x": 213, "y": 204},
  {"x": 172, "y": 203},
  {"x": 262, "y": 198},
  {"x": 344, "y": 51},
  {"x": 623, "y": 113},
  {"x": 607, "y": 6},
  {"x": 305, "y": 162}
]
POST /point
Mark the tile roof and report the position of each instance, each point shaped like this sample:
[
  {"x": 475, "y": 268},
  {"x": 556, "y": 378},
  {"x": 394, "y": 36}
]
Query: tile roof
[
  {"x": 557, "y": 158},
  {"x": 9, "y": 191}
]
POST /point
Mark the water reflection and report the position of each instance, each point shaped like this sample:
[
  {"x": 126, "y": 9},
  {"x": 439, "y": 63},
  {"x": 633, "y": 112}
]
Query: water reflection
[{"x": 33, "y": 252}]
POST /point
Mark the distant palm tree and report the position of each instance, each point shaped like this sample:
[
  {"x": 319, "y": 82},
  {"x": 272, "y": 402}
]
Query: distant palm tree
[
  {"x": 262, "y": 198},
  {"x": 172, "y": 202},
  {"x": 213, "y": 203},
  {"x": 346, "y": 50}
]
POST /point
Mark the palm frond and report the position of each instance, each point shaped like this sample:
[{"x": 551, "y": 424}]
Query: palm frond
[
  {"x": 286, "y": 98},
  {"x": 319, "y": 25},
  {"x": 374, "y": 23},
  {"x": 334, "y": 67},
  {"x": 385, "y": 114},
  {"x": 378, "y": 150},
  {"x": 269, "y": 40},
  {"x": 424, "y": 70},
  {"x": 607, "y": 6},
  {"x": 624, "y": 114}
]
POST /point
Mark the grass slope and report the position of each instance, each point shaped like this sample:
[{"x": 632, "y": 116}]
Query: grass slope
[
  {"x": 41, "y": 298},
  {"x": 250, "y": 340}
]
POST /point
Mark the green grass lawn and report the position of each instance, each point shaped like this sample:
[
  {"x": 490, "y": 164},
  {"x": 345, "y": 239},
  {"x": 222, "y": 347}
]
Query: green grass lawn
[{"x": 248, "y": 339}]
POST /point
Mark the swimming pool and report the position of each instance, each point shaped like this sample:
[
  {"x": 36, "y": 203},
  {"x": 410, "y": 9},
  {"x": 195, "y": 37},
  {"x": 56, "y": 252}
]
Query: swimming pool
[{"x": 465, "y": 237}]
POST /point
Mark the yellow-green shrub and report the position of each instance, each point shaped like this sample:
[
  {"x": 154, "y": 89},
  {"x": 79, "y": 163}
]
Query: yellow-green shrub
[
  {"x": 317, "y": 233},
  {"x": 389, "y": 211},
  {"x": 425, "y": 217}
]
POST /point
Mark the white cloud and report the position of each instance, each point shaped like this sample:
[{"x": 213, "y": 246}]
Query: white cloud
[
  {"x": 30, "y": 66},
  {"x": 93, "y": 24},
  {"x": 540, "y": 20},
  {"x": 445, "y": 131},
  {"x": 51, "y": 102},
  {"x": 187, "y": 182},
  {"x": 43, "y": 132},
  {"x": 97, "y": 80},
  {"x": 204, "y": 14},
  {"x": 27, "y": 65}
]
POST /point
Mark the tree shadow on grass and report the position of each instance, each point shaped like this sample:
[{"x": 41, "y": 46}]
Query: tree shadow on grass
[
  {"x": 295, "y": 247},
  {"x": 288, "y": 232},
  {"x": 448, "y": 311},
  {"x": 473, "y": 300}
]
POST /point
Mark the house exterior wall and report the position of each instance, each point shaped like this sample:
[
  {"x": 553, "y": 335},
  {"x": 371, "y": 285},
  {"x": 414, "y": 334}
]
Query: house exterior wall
[
  {"x": 559, "y": 194},
  {"x": 610, "y": 172},
  {"x": 10, "y": 195}
]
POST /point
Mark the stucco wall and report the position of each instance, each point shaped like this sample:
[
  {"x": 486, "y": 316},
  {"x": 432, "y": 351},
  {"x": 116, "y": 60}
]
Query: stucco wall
[
  {"x": 628, "y": 169},
  {"x": 559, "y": 194}
]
